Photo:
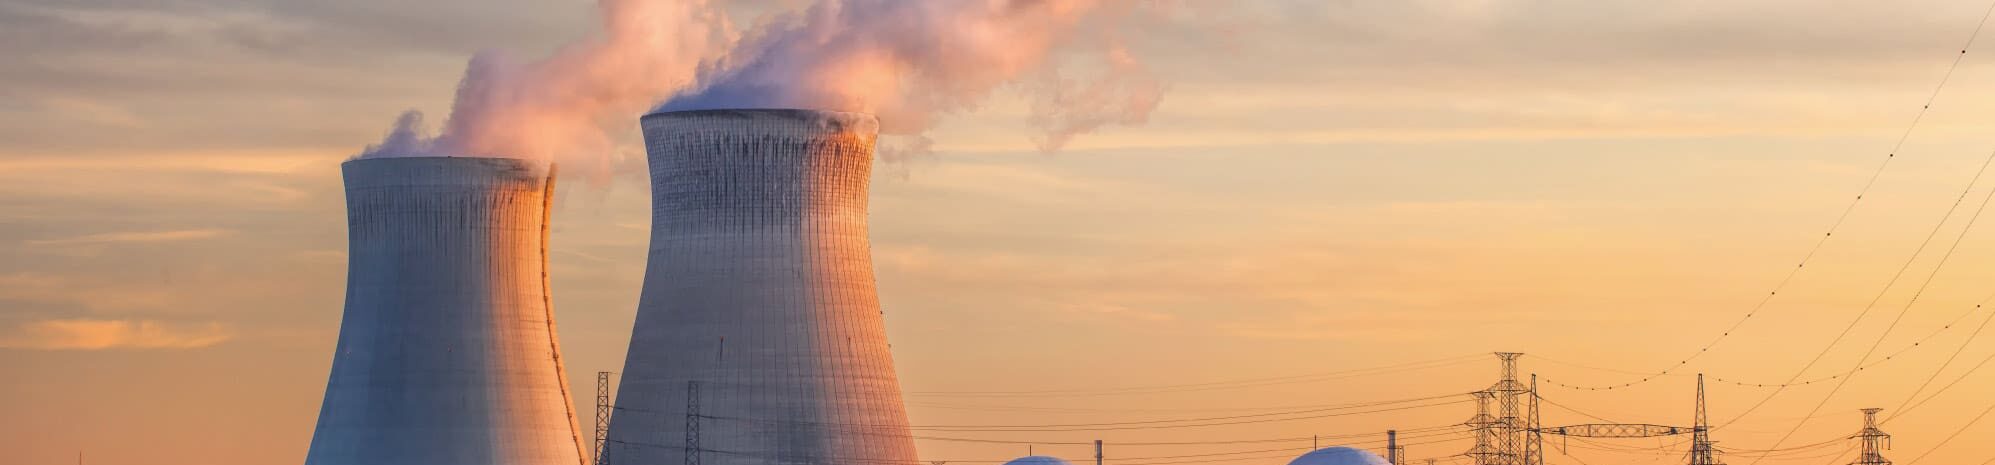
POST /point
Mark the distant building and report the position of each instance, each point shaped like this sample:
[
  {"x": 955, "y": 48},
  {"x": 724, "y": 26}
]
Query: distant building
[
  {"x": 1338, "y": 456},
  {"x": 1037, "y": 460}
]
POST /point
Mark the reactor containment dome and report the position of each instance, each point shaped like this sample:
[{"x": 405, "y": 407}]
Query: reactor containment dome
[
  {"x": 759, "y": 338},
  {"x": 447, "y": 352},
  {"x": 1339, "y": 456},
  {"x": 1038, "y": 460}
]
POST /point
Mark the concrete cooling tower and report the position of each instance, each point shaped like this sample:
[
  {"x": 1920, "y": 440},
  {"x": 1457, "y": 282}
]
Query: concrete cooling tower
[
  {"x": 759, "y": 337},
  {"x": 447, "y": 351}
]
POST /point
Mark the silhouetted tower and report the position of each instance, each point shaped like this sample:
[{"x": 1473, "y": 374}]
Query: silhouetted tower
[
  {"x": 1875, "y": 441},
  {"x": 1534, "y": 441},
  {"x": 1395, "y": 454},
  {"x": 693, "y": 423},
  {"x": 603, "y": 409},
  {"x": 1485, "y": 451},
  {"x": 1510, "y": 424},
  {"x": 1701, "y": 450}
]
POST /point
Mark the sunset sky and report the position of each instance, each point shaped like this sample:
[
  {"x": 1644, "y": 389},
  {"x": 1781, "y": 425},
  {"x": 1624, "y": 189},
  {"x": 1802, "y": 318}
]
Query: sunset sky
[{"x": 1327, "y": 186}]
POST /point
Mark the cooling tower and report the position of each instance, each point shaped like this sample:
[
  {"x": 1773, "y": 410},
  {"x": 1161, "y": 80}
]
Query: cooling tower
[
  {"x": 447, "y": 351},
  {"x": 758, "y": 337}
]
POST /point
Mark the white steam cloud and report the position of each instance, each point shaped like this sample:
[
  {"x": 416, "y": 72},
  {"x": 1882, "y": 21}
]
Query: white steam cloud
[
  {"x": 558, "y": 108},
  {"x": 909, "y": 62},
  {"x": 914, "y": 62}
]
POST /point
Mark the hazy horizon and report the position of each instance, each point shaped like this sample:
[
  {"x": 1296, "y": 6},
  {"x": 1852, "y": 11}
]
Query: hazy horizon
[{"x": 1323, "y": 187}]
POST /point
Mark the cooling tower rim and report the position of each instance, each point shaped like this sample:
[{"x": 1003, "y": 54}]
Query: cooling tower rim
[
  {"x": 431, "y": 159},
  {"x": 865, "y": 120},
  {"x": 442, "y": 170}
]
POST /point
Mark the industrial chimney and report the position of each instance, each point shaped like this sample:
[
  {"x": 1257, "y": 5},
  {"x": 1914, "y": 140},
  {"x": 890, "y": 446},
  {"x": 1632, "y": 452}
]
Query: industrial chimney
[
  {"x": 447, "y": 351},
  {"x": 759, "y": 337}
]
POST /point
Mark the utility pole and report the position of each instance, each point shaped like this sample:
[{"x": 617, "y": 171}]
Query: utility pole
[
  {"x": 1875, "y": 441},
  {"x": 1097, "y": 452},
  {"x": 603, "y": 410},
  {"x": 1394, "y": 454},
  {"x": 692, "y": 423},
  {"x": 1702, "y": 451}
]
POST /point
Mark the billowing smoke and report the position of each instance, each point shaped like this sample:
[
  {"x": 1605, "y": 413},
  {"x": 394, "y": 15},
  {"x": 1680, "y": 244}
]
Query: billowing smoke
[
  {"x": 911, "y": 62},
  {"x": 558, "y": 108}
]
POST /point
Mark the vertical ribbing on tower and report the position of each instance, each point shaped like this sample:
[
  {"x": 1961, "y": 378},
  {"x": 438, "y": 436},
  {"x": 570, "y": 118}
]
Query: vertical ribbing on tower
[
  {"x": 1875, "y": 441},
  {"x": 760, "y": 284}
]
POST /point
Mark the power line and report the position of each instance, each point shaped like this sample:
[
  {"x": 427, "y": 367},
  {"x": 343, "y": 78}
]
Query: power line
[
  {"x": 1128, "y": 425},
  {"x": 1049, "y": 427},
  {"x": 1872, "y": 305},
  {"x": 1122, "y": 460},
  {"x": 1018, "y": 408},
  {"x": 1949, "y": 360},
  {"x": 1840, "y": 219},
  {"x": 1956, "y": 433},
  {"x": 1943, "y": 389},
  {"x": 1214, "y": 385},
  {"x": 1916, "y": 344},
  {"x": 1887, "y": 288}
]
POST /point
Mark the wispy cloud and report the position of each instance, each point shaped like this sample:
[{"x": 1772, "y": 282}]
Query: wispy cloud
[
  {"x": 133, "y": 237},
  {"x": 81, "y": 334}
]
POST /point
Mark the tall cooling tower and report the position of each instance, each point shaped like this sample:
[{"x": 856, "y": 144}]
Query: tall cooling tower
[
  {"x": 447, "y": 351},
  {"x": 759, "y": 337}
]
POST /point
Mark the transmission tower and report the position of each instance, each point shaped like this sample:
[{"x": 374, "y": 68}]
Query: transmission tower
[
  {"x": 1534, "y": 443},
  {"x": 692, "y": 423},
  {"x": 1874, "y": 440},
  {"x": 1510, "y": 445},
  {"x": 603, "y": 410},
  {"x": 1485, "y": 451},
  {"x": 1701, "y": 450}
]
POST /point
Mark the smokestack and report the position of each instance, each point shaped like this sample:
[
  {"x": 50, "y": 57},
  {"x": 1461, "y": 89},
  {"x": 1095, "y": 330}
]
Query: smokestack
[
  {"x": 760, "y": 290},
  {"x": 447, "y": 352}
]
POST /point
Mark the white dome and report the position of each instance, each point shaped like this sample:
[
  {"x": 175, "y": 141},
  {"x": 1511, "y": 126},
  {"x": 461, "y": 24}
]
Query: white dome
[
  {"x": 1037, "y": 460},
  {"x": 1338, "y": 456}
]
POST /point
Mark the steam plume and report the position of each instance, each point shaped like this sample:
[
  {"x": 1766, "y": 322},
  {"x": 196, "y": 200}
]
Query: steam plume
[
  {"x": 911, "y": 62},
  {"x": 557, "y": 108}
]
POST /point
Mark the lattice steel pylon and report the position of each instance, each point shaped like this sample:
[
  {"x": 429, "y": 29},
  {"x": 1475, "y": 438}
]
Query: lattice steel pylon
[
  {"x": 1534, "y": 441},
  {"x": 1485, "y": 451},
  {"x": 603, "y": 410},
  {"x": 1875, "y": 441},
  {"x": 1702, "y": 451},
  {"x": 1510, "y": 425},
  {"x": 693, "y": 423}
]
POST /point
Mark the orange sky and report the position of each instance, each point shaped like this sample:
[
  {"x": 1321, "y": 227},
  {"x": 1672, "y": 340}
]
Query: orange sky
[{"x": 1327, "y": 186}]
